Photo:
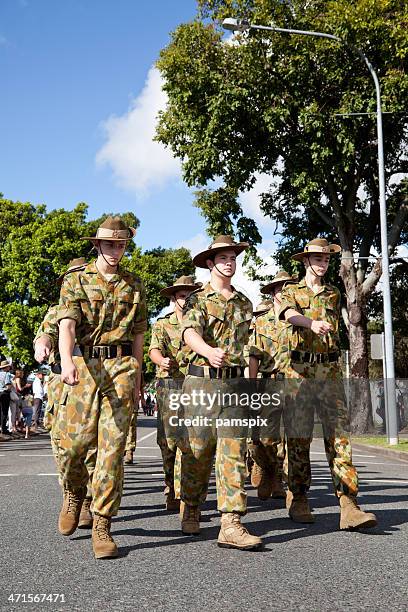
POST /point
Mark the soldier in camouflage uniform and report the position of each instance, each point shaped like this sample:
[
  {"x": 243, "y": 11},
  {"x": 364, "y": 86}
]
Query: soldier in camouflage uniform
[
  {"x": 104, "y": 308},
  {"x": 312, "y": 308},
  {"x": 216, "y": 327},
  {"x": 46, "y": 348},
  {"x": 166, "y": 353},
  {"x": 265, "y": 357}
]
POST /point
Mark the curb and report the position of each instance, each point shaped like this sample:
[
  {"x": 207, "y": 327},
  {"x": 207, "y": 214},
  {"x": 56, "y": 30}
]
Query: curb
[{"x": 386, "y": 452}]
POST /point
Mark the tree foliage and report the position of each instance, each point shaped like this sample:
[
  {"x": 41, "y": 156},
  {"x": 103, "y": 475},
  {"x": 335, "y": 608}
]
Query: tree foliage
[{"x": 36, "y": 247}]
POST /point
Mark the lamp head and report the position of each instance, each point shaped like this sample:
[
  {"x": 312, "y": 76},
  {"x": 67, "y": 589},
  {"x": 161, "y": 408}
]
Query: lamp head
[{"x": 234, "y": 25}]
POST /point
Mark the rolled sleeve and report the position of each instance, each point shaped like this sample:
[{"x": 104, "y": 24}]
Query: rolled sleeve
[
  {"x": 157, "y": 338},
  {"x": 69, "y": 304},
  {"x": 140, "y": 321},
  {"x": 287, "y": 302},
  {"x": 193, "y": 317}
]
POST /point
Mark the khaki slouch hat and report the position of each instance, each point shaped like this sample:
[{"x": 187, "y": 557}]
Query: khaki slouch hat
[
  {"x": 220, "y": 243},
  {"x": 184, "y": 283},
  {"x": 113, "y": 228},
  {"x": 317, "y": 245},
  {"x": 282, "y": 277}
]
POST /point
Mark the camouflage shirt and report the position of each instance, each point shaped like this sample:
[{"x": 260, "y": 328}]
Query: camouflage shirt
[
  {"x": 269, "y": 343},
  {"x": 166, "y": 337},
  {"x": 49, "y": 328},
  {"x": 221, "y": 322},
  {"x": 106, "y": 311},
  {"x": 322, "y": 305}
]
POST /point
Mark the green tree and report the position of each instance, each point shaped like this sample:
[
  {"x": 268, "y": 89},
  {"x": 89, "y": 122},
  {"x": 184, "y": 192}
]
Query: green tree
[
  {"x": 35, "y": 248},
  {"x": 285, "y": 106}
]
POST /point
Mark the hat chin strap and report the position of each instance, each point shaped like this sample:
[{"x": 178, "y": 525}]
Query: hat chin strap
[
  {"x": 222, "y": 273},
  {"x": 106, "y": 261},
  {"x": 313, "y": 270},
  {"x": 178, "y": 303}
]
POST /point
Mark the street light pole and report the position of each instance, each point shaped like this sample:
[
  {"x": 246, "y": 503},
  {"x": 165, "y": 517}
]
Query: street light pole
[{"x": 235, "y": 25}]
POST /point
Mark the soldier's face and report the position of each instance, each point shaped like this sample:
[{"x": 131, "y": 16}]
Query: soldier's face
[
  {"x": 319, "y": 262},
  {"x": 225, "y": 264},
  {"x": 277, "y": 292},
  {"x": 179, "y": 298},
  {"x": 112, "y": 250}
]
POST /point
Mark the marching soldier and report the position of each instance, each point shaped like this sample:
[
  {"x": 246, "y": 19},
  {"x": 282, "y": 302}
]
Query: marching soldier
[
  {"x": 268, "y": 453},
  {"x": 103, "y": 307},
  {"x": 166, "y": 352},
  {"x": 216, "y": 325},
  {"x": 46, "y": 348},
  {"x": 312, "y": 308}
]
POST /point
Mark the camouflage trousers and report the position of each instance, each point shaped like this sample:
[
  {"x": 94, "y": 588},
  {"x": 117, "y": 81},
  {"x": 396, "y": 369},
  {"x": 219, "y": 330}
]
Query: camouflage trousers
[
  {"x": 269, "y": 454},
  {"x": 132, "y": 433},
  {"x": 310, "y": 388},
  {"x": 54, "y": 391},
  {"x": 95, "y": 414},
  {"x": 167, "y": 439},
  {"x": 200, "y": 445}
]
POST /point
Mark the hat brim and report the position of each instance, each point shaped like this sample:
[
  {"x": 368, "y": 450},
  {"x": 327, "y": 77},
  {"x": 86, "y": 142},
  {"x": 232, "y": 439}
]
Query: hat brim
[
  {"x": 268, "y": 288},
  {"x": 6, "y": 365},
  {"x": 257, "y": 313},
  {"x": 200, "y": 260},
  {"x": 169, "y": 291},
  {"x": 333, "y": 248}
]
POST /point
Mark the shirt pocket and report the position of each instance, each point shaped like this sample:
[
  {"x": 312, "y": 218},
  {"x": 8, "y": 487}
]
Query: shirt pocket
[
  {"x": 91, "y": 307},
  {"x": 126, "y": 307},
  {"x": 303, "y": 300},
  {"x": 216, "y": 313}
]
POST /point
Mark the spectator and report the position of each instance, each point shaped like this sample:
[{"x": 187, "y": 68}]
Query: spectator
[
  {"x": 16, "y": 400},
  {"x": 27, "y": 411},
  {"x": 38, "y": 394},
  {"x": 5, "y": 388}
]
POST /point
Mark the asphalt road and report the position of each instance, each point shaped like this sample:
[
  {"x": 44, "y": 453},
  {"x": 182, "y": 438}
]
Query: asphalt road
[{"x": 314, "y": 567}]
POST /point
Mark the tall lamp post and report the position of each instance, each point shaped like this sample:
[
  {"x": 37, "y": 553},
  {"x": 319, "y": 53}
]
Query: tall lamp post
[{"x": 235, "y": 25}]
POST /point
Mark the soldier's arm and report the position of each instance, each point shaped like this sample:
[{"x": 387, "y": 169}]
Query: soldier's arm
[
  {"x": 69, "y": 315},
  {"x": 288, "y": 312},
  {"x": 157, "y": 348},
  {"x": 140, "y": 326},
  {"x": 46, "y": 338},
  {"x": 194, "y": 319}
]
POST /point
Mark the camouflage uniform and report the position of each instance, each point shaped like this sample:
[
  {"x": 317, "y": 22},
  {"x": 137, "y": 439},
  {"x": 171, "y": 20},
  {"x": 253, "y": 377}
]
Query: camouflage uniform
[
  {"x": 222, "y": 323},
  {"x": 49, "y": 327},
  {"x": 326, "y": 393},
  {"x": 97, "y": 411},
  {"x": 166, "y": 338},
  {"x": 267, "y": 452}
]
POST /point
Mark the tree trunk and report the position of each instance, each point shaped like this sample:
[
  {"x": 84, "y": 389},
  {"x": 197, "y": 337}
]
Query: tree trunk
[{"x": 360, "y": 398}]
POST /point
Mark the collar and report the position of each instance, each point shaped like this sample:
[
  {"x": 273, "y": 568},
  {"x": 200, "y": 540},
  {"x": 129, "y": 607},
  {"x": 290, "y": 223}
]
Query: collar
[
  {"x": 322, "y": 288},
  {"x": 173, "y": 319},
  {"x": 209, "y": 290}
]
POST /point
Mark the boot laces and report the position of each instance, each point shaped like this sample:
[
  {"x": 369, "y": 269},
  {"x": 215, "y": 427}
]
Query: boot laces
[
  {"x": 102, "y": 529},
  {"x": 257, "y": 469},
  {"x": 236, "y": 522},
  {"x": 73, "y": 501}
]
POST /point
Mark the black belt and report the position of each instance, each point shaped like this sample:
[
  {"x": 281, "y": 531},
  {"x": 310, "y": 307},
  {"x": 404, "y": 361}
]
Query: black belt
[
  {"x": 226, "y": 372},
  {"x": 273, "y": 376},
  {"x": 305, "y": 357},
  {"x": 106, "y": 351}
]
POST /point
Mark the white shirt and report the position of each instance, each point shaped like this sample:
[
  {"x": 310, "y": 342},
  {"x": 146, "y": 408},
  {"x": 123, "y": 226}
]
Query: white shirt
[{"x": 38, "y": 389}]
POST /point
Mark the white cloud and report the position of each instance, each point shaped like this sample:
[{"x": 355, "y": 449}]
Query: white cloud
[
  {"x": 139, "y": 163},
  {"x": 250, "y": 200}
]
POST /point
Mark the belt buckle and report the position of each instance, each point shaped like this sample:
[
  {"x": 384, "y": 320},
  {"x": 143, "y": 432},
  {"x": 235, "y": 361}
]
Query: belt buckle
[{"x": 312, "y": 358}]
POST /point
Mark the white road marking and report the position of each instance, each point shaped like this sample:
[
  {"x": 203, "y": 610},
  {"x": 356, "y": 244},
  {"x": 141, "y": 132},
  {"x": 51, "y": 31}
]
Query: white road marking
[
  {"x": 152, "y": 433},
  {"x": 148, "y": 448},
  {"x": 9, "y": 474},
  {"x": 161, "y": 474},
  {"x": 354, "y": 455},
  {"x": 27, "y": 455},
  {"x": 45, "y": 474},
  {"x": 399, "y": 481},
  {"x": 151, "y": 456}
]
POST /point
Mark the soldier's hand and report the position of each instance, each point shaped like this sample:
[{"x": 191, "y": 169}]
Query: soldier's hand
[
  {"x": 42, "y": 350},
  {"x": 69, "y": 374},
  {"x": 166, "y": 363},
  {"x": 216, "y": 357},
  {"x": 321, "y": 328}
]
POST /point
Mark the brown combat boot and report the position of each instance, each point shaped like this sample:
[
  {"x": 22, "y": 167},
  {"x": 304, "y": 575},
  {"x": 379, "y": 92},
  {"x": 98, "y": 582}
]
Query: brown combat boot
[
  {"x": 299, "y": 509},
  {"x": 190, "y": 519},
  {"x": 128, "y": 457},
  {"x": 265, "y": 486},
  {"x": 103, "y": 545},
  {"x": 85, "y": 517},
  {"x": 172, "y": 503},
  {"x": 278, "y": 490},
  {"x": 234, "y": 535},
  {"x": 351, "y": 517},
  {"x": 256, "y": 475},
  {"x": 70, "y": 511}
]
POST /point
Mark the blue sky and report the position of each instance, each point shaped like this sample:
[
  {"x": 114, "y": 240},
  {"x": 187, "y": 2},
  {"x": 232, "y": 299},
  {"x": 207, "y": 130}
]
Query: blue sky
[{"x": 78, "y": 106}]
